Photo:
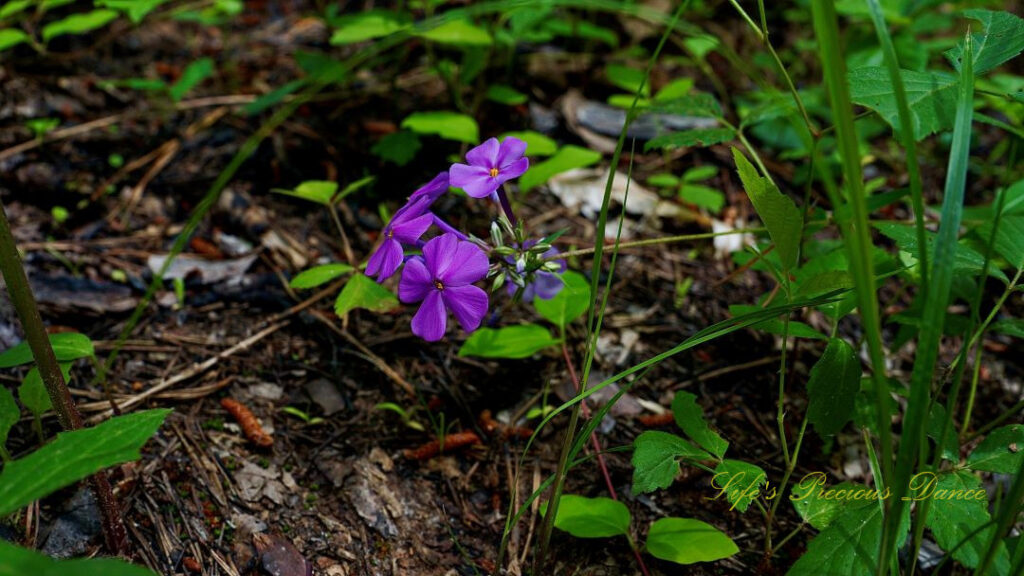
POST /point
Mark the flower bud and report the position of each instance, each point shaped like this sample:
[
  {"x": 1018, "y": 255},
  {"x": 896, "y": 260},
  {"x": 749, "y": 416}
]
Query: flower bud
[
  {"x": 552, "y": 266},
  {"x": 540, "y": 248},
  {"x": 504, "y": 251},
  {"x": 496, "y": 235},
  {"x": 499, "y": 281}
]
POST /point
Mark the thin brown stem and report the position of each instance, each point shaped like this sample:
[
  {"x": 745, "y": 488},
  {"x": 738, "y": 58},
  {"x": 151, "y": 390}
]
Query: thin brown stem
[{"x": 654, "y": 242}]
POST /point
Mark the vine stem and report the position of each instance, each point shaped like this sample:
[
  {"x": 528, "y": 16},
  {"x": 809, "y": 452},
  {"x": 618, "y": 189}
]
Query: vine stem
[
  {"x": 654, "y": 242},
  {"x": 46, "y": 361}
]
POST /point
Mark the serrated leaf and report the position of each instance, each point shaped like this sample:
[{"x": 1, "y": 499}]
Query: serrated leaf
[
  {"x": 690, "y": 418},
  {"x": 398, "y": 147},
  {"x": 808, "y": 498},
  {"x": 656, "y": 457},
  {"x": 1001, "y": 451},
  {"x": 569, "y": 304},
  {"x": 319, "y": 275},
  {"x": 448, "y": 125},
  {"x": 697, "y": 104},
  {"x": 319, "y": 191},
  {"x": 832, "y": 387},
  {"x": 9, "y": 414},
  {"x": 78, "y": 23},
  {"x": 688, "y": 541},
  {"x": 367, "y": 25},
  {"x": 702, "y": 137},
  {"x": 362, "y": 292},
  {"x": 460, "y": 33},
  {"x": 520, "y": 341},
  {"x": 67, "y": 347},
  {"x": 1001, "y": 40},
  {"x": 567, "y": 158},
  {"x": 959, "y": 510},
  {"x": 20, "y": 561},
  {"x": 584, "y": 517},
  {"x": 778, "y": 212},
  {"x": 965, "y": 258},
  {"x": 10, "y": 37},
  {"x": 740, "y": 481},
  {"x": 192, "y": 76},
  {"x": 32, "y": 392},
  {"x": 75, "y": 455},
  {"x": 931, "y": 96},
  {"x": 1009, "y": 241}
]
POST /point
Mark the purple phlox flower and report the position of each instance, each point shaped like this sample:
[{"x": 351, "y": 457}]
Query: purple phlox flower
[
  {"x": 433, "y": 189},
  {"x": 406, "y": 227},
  {"x": 443, "y": 279},
  {"x": 544, "y": 285},
  {"x": 490, "y": 165}
]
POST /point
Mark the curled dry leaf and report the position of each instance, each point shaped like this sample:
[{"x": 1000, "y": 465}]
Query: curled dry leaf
[
  {"x": 249, "y": 423},
  {"x": 451, "y": 442}
]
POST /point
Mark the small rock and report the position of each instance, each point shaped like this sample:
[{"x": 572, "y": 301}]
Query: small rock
[
  {"x": 326, "y": 395},
  {"x": 76, "y": 528}
]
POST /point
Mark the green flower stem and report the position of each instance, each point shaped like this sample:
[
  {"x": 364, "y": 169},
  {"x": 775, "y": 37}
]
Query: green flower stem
[
  {"x": 46, "y": 361},
  {"x": 655, "y": 242}
]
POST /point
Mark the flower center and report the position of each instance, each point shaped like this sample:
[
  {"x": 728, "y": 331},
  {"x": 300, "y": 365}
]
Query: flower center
[
  {"x": 438, "y": 285},
  {"x": 391, "y": 233},
  {"x": 494, "y": 172}
]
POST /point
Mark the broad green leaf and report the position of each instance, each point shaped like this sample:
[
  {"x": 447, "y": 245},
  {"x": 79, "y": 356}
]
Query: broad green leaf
[
  {"x": 778, "y": 212},
  {"x": 598, "y": 517},
  {"x": 1011, "y": 326},
  {"x": 367, "y": 26},
  {"x": 506, "y": 95},
  {"x": 1001, "y": 451},
  {"x": 21, "y": 561},
  {"x": 700, "y": 173},
  {"x": 825, "y": 282},
  {"x": 690, "y": 418},
  {"x": 702, "y": 196},
  {"x": 362, "y": 292},
  {"x": 9, "y": 414},
  {"x": 965, "y": 258},
  {"x": 567, "y": 158},
  {"x": 959, "y": 509},
  {"x": 832, "y": 387},
  {"x": 319, "y": 191},
  {"x": 628, "y": 79},
  {"x": 1009, "y": 241},
  {"x": 135, "y": 9},
  {"x": 656, "y": 458},
  {"x": 67, "y": 346},
  {"x": 13, "y": 7},
  {"x": 688, "y": 541},
  {"x": 10, "y": 37},
  {"x": 677, "y": 88},
  {"x": 1001, "y": 40},
  {"x": 448, "y": 125},
  {"x": 537, "y": 144},
  {"x": 319, "y": 275},
  {"x": 192, "y": 76},
  {"x": 818, "y": 506},
  {"x": 520, "y": 341},
  {"x": 398, "y": 147},
  {"x": 32, "y": 392},
  {"x": 460, "y": 33},
  {"x": 569, "y": 304},
  {"x": 578, "y": 28},
  {"x": 701, "y": 137},
  {"x": 740, "y": 481},
  {"x": 696, "y": 104},
  {"x": 75, "y": 455},
  {"x": 932, "y": 97},
  {"x": 78, "y": 23}
]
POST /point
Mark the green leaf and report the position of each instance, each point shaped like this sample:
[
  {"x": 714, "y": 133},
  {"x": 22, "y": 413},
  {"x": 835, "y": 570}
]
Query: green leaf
[
  {"x": 687, "y": 541},
  {"x": 959, "y": 510},
  {"x": 567, "y": 158},
  {"x": 14, "y": 7},
  {"x": 778, "y": 212},
  {"x": 448, "y": 125},
  {"x": 591, "y": 517},
  {"x": 9, "y": 414},
  {"x": 1001, "y": 40},
  {"x": 460, "y": 33},
  {"x": 741, "y": 482},
  {"x": 135, "y": 9},
  {"x": 78, "y": 23},
  {"x": 75, "y": 455},
  {"x": 965, "y": 258},
  {"x": 20, "y": 561},
  {"x": 537, "y": 144},
  {"x": 775, "y": 326},
  {"x": 319, "y": 191},
  {"x": 67, "y": 346},
  {"x": 362, "y": 292},
  {"x": 700, "y": 173},
  {"x": 675, "y": 89},
  {"x": 367, "y": 26},
  {"x": 520, "y": 341},
  {"x": 320, "y": 66},
  {"x": 690, "y": 418},
  {"x": 810, "y": 501},
  {"x": 628, "y": 79},
  {"x": 1001, "y": 451},
  {"x": 932, "y": 97},
  {"x": 832, "y": 387},
  {"x": 702, "y": 196},
  {"x": 1009, "y": 241},
  {"x": 273, "y": 98},
  {"x": 656, "y": 458},
  {"x": 569, "y": 304},
  {"x": 32, "y": 392},
  {"x": 10, "y": 37},
  {"x": 936, "y": 425},
  {"x": 506, "y": 95},
  {"x": 192, "y": 76},
  {"x": 701, "y": 137},
  {"x": 696, "y": 104},
  {"x": 319, "y": 275},
  {"x": 398, "y": 147},
  {"x": 1011, "y": 326}
]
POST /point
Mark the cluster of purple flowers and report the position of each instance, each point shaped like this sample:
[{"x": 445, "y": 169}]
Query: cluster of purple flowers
[{"x": 443, "y": 275}]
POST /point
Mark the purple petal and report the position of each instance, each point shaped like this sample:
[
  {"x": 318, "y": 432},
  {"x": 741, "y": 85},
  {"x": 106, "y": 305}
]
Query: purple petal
[
  {"x": 430, "y": 321},
  {"x": 485, "y": 155},
  {"x": 414, "y": 208},
  {"x": 512, "y": 149},
  {"x": 416, "y": 281},
  {"x": 547, "y": 285},
  {"x": 475, "y": 180},
  {"x": 385, "y": 260},
  {"x": 468, "y": 303},
  {"x": 528, "y": 292},
  {"x": 409, "y": 232},
  {"x": 513, "y": 170},
  {"x": 433, "y": 189},
  {"x": 469, "y": 264},
  {"x": 439, "y": 253}
]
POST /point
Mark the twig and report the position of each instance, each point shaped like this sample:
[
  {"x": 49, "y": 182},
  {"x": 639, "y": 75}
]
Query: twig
[
  {"x": 366, "y": 352},
  {"x": 656, "y": 241}
]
